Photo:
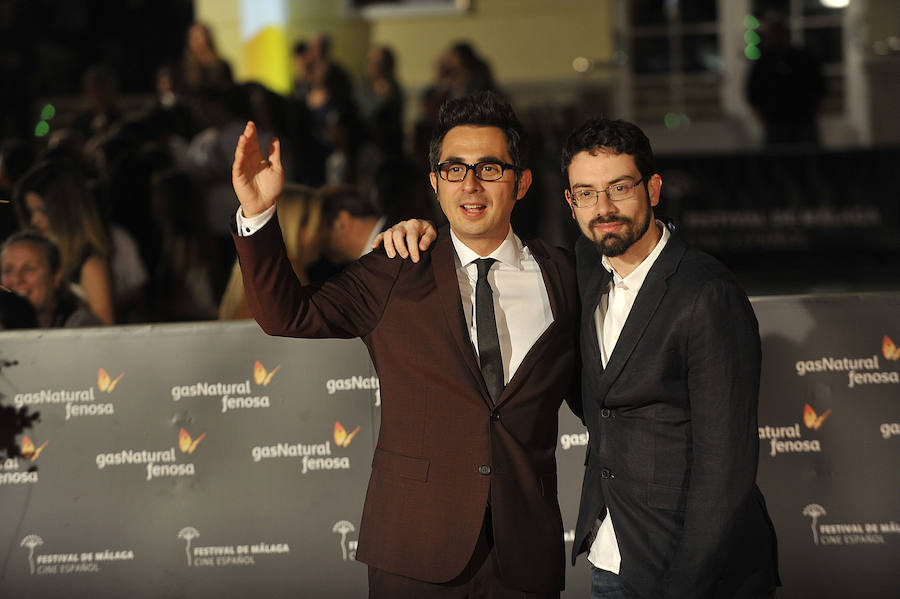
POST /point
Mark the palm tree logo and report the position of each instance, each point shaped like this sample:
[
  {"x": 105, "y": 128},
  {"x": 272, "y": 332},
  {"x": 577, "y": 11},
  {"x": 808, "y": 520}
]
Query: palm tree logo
[
  {"x": 31, "y": 541},
  {"x": 342, "y": 528},
  {"x": 814, "y": 511},
  {"x": 188, "y": 533}
]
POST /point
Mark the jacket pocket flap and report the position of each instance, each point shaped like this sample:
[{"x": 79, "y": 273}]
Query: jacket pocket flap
[{"x": 400, "y": 465}]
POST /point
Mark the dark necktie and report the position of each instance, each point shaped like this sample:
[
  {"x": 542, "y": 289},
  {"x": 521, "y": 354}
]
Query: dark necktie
[{"x": 486, "y": 325}]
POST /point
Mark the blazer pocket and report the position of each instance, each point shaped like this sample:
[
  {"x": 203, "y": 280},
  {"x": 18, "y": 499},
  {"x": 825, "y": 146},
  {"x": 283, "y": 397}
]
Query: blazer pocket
[
  {"x": 666, "y": 498},
  {"x": 400, "y": 465}
]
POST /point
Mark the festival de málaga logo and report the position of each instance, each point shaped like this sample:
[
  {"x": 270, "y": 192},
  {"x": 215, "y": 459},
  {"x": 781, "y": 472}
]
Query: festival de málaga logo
[
  {"x": 847, "y": 533},
  {"x": 78, "y": 402},
  {"x": 11, "y": 472},
  {"x": 313, "y": 456},
  {"x": 73, "y": 562},
  {"x": 232, "y": 396},
  {"x": 789, "y": 439},
  {"x": 861, "y": 371},
  {"x": 348, "y": 547},
  {"x": 158, "y": 463},
  {"x": 240, "y": 554}
]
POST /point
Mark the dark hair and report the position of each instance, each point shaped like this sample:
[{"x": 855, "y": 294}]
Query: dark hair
[
  {"x": 51, "y": 251},
  {"x": 616, "y": 136},
  {"x": 482, "y": 109},
  {"x": 338, "y": 197},
  {"x": 16, "y": 312}
]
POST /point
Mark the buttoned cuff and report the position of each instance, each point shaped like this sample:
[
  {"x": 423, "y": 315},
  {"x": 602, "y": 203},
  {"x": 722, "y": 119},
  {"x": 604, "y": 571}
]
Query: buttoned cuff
[{"x": 249, "y": 226}]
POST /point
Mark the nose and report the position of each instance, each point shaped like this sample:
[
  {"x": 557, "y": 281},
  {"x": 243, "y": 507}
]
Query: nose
[
  {"x": 604, "y": 206},
  {"x": 470, "y": 181}
]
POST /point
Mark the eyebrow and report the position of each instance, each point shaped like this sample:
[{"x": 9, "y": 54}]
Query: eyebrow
[
  {"x": 481, "y": 159},
  {"x": 613, "y": 182}
]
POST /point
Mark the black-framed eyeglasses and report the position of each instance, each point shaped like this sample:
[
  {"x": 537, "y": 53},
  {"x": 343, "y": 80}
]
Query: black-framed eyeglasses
[
  {"x": 489, "y": 170},
  {"x": 585, "y": 197}
]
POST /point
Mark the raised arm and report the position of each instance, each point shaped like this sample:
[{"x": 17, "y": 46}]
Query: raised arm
[
  {"x": 257, "y": 180},
  {"x": 406, "y": 238}
]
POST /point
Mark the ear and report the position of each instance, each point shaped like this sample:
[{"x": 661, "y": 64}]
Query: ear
[
  {"x": 524, "y": 184},
  {"x": 654, "y": 186},
  {"x": 434, "y": 185},
  {"x": 569, "y": 202}
]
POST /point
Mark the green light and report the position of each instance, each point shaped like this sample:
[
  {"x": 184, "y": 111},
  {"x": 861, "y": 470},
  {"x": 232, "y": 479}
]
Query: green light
[
  {"x": 752, "y": 52},
  {"x": 42, "y": 129},
  {"x": 751, "y": 37},
  {"x": 48, "y": 112},
  {"x": 751, "y": 22},
  {"x": 671, "y": 120}
]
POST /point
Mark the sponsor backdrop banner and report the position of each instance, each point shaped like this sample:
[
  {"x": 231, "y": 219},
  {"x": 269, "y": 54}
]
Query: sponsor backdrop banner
[{"x": 209, "y": 460}]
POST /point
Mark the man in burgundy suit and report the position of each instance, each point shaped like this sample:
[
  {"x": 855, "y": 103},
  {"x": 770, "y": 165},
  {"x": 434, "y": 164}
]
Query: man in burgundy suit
[{"x": 475, "y": 348}]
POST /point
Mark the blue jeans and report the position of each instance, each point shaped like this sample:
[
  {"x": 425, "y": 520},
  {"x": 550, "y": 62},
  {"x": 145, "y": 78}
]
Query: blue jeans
[{"x": 606, "y": 585}]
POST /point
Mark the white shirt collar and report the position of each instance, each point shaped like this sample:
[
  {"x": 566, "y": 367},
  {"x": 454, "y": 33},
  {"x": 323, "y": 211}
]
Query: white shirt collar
[
  {"x": 509, "y": 252},
  {"x": 635, "y": 278},
  {"x": 375, "y": 231}
]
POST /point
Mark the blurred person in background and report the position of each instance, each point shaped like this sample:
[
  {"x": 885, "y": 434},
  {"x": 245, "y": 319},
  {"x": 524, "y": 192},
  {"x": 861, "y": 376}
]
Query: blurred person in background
[
  {"x": 30, "y": 265},
  {"x": 300, "y": 216},
  {"x": 380, "y": 99},
  {"x": 100, "y": 94},
  {"x": 785, "y": 86},
  {"x": 202, "y": 67},
  {"x": 182, "y": 281},
  {"x": 16, "y": 157},
  {"x": 52, "y": 197}
]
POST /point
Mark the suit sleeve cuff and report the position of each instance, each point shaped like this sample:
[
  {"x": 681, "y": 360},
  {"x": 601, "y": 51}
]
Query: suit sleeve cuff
[{"x": 249, "y": 226}]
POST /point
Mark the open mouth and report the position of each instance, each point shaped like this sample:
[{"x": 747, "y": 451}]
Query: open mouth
[{"x": 473, "y": 209}]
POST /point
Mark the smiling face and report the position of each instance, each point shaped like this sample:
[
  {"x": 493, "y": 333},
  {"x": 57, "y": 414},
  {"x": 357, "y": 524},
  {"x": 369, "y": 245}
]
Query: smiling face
[
  {"x": 479, "y": 211},
  {"x": 25, "y": 269},
  {"x": 618, "y": 228}
]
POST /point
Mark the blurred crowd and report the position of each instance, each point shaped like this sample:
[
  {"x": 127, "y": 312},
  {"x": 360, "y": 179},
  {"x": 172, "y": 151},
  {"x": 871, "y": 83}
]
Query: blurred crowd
[{"x": 125, "y": 216}]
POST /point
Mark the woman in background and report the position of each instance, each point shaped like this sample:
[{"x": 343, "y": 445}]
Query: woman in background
[
  {"x": 299, "y": 213},
  {"x": 53, "y": 198}
]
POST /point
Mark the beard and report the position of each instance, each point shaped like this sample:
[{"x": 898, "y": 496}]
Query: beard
[{"x": 616, "y": 244}]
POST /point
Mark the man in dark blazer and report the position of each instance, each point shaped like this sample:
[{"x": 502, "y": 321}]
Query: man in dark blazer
[
  {"x": 670, "y": 377},
  {"x": 462, "y": 496}
]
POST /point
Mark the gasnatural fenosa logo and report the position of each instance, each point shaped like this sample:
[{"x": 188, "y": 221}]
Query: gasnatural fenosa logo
[
  {"x": 11, "y": 472},
  {"x": 789, "y": 439},
  {"x": 233, "y": 396},
  {"x": 159, "y": 463},
  {"x": 81, "y": 402}
]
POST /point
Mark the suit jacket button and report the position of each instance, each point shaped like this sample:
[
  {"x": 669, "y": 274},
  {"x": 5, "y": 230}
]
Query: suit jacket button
[
  {"x": 605, "y": 473},
  {"x": 495, "y": 416},
  {"x": 484, "y": 469},
  {"x": 604, "y": 412}
]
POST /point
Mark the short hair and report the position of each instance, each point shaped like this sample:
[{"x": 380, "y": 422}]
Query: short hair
[
  {"x": 338, "y": 196},
  {"x": 481, "y": 109},
  {"x": 51, "y": 251},
  {"x": 616, "y": 136},
  {"x": 300, "y": 47}
]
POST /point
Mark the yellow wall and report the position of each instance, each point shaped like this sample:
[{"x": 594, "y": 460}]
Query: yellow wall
[
  {"x": 523, "y": 40},
  {"x": 529, "y": 41}
]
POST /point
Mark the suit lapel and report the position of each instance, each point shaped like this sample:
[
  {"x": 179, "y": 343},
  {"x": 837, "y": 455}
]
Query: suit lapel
[
  {"x": 645, "y": 305},
  {"x": 444, "y": 269},
  {"x": 556, "y": 294}
]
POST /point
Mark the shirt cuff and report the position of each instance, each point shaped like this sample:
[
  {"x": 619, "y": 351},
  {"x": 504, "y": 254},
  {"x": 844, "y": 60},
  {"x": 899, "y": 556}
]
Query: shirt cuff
[{"x": 248, "y": 226}]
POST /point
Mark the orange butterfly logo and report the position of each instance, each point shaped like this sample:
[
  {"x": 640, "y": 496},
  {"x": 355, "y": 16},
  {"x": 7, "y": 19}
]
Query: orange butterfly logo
[
  {"x": 105, "y": 383},
  {"x": 29, "y": 452},
  {"x": 260, "y": 376},
  {"x": 341, "y": 437},
  {"x": 890, "y": 351},
  {"x": 813, "y": 420},
  {"x": 186, "y": 444}
]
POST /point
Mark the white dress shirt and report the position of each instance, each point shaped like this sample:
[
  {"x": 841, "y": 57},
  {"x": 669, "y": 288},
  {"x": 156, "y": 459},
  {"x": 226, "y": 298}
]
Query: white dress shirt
[
  {"x": 610, "y": 317},
  {"x": 521, "y": 303}
]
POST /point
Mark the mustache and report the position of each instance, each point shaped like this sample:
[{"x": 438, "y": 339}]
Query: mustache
[{"x": 601, "y": 220}]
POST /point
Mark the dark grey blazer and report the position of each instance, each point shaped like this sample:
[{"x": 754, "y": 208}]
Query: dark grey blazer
[{"x": 672, "y": 419}]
